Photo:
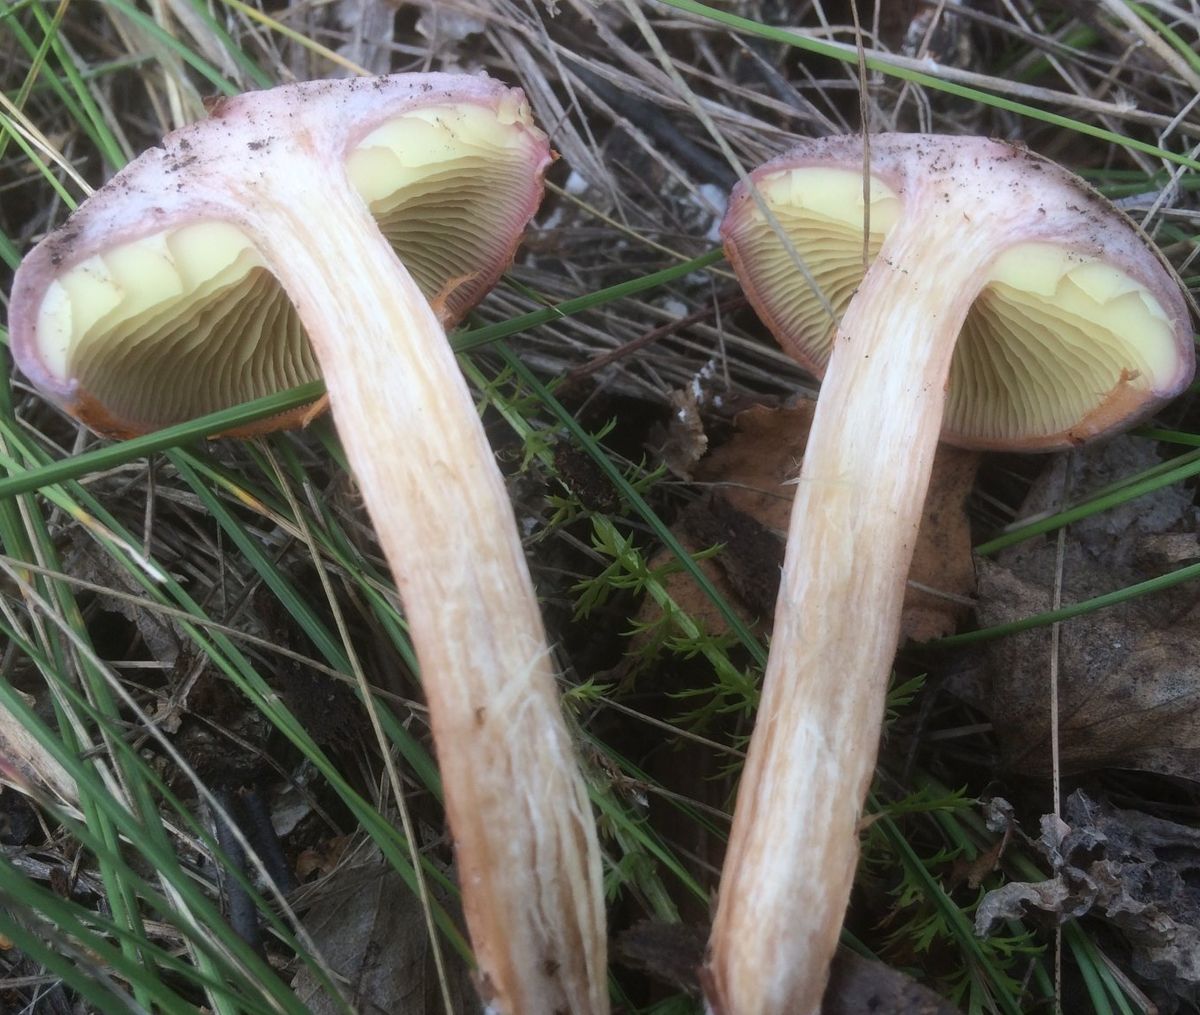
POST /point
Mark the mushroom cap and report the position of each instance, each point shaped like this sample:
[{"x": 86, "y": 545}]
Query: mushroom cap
[
  {"x": 154, "y": 304},
  {"x": 1078, "y": 327}
]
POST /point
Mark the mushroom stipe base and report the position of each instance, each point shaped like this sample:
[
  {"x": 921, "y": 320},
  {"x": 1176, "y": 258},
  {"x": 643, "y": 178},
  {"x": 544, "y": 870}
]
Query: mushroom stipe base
[
  {"x": 1006, "y": 306},
  {"x": 313, "y": 226}
]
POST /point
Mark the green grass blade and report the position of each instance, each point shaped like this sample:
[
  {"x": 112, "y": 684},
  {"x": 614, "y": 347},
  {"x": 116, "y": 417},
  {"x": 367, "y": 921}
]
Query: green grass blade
[
  {"x": 241, "y": 416},
  {"x": 848, "y": 55},
  {"x": 1166, "y": 581},
  {"x": 648, "y": 515},
  {"x": 1160, "y": 476}
]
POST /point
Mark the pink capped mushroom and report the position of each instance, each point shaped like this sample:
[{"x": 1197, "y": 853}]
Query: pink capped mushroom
[
  {"x": 330, "y": 228},
  {"x": 1005, "y": 306}
]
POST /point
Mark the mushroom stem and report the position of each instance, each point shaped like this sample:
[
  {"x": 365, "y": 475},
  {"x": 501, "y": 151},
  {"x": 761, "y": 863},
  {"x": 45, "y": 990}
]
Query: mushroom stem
[
  {"x": 528, "y": 861},
  {"x": 794, "y": 844}
]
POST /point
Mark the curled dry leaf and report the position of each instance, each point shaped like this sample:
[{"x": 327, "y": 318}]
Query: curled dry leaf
[
  {"x": 752, "y": 477},
  {"x": 1129, "y": 675},
  {"x": 1130, "y": 869},
  {"x": 685, "y": 440}
]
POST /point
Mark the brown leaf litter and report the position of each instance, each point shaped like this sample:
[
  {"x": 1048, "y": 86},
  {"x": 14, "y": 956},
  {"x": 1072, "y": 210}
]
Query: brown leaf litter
[
  {"x": 369, "y": 927},
  {"x": 1135, "y": 872},
  {"x": 752, "y": 482},
  {"x": 1129, "y": 675},
  {"x": 673, "y": 953}
]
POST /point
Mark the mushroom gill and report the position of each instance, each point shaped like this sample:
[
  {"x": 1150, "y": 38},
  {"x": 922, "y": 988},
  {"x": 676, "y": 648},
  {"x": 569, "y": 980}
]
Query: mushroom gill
[
  {"x": 1010, "y": 382},
  {"x": 186, "y": 321}
]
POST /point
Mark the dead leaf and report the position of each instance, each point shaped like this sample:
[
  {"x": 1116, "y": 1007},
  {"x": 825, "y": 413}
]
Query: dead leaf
[
  {"x": 1128, "y": 684},
  {"x": 1168, "y": 550},
  {"x": 1129, "y": 675},
  {"x": 754, "y": 468},
  {"x": 974, "y": 872},
  {"x": 318, "y": 862},
  {"x": 753, "y": 481},
  {"x": 1132, "y": 870},
  {"x": 1011, "y": 902},
  {"x": 370, "y": 929},
  {"x": 1115, "y": 534},
  {"x": 858, "y": 986},
  {"x": 673, "y": 953},
  {"x": 670, "y": 953},
  {"x": 28, "y": 767},
  {"x": 752, "y": 555},
  {"x": 686, "y": 440},
  {"x": 690, "y": 598},
  {"x": 160, "y": 636},
  {"x": 942, "y": 576}
]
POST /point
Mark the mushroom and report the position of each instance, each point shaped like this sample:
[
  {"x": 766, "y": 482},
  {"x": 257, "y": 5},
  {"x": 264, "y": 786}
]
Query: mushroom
[
  {"x": 1005, "y": 306},
  {"x": 328, "y": 225}
]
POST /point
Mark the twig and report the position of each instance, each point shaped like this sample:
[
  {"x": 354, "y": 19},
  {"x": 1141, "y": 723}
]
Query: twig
[{"x": 732, "y": 302}]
